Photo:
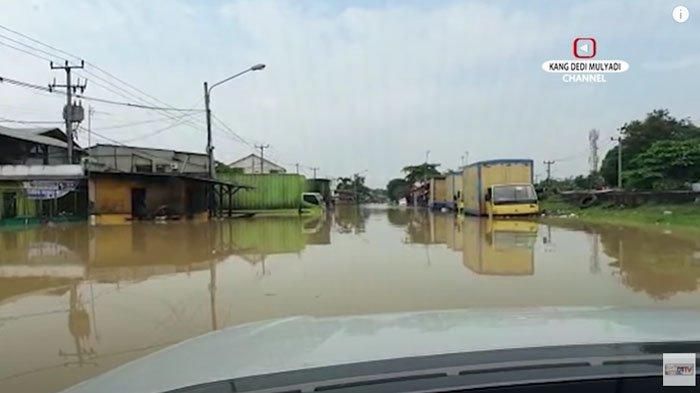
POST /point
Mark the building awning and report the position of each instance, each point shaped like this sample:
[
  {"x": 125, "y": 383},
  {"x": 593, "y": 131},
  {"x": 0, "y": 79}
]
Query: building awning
[{"x": 174, "y": 176}]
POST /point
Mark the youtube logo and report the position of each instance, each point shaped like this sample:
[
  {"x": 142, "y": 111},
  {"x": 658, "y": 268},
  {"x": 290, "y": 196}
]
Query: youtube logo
[{"x": 584, "y": 48}]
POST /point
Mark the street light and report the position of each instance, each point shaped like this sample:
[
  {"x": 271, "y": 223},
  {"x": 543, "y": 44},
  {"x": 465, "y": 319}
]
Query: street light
[{"x": 207, "y": 91}]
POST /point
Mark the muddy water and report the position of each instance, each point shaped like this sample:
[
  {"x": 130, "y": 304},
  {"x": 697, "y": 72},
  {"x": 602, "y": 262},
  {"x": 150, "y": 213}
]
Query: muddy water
[{"x": 77, "y": 301}]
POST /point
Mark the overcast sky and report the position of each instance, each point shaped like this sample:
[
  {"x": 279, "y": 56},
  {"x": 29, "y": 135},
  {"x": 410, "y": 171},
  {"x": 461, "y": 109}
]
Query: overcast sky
[{"x": 362, "y": 85}]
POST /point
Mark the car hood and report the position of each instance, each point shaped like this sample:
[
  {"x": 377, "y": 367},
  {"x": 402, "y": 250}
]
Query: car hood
[{"x": 306, "y": 342}]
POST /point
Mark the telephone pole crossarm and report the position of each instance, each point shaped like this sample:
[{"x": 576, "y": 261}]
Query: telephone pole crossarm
[{"x": 70, "y": 114}]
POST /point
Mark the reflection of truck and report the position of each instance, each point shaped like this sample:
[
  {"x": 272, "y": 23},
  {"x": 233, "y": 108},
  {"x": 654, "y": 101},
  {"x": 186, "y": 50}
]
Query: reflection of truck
[
  {"x": 499, "y": 188},
  {"x": 499, "y": 247}
]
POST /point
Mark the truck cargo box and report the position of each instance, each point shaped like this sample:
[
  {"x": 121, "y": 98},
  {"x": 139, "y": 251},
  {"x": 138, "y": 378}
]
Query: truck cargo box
[{"x": 479, "y": 176}]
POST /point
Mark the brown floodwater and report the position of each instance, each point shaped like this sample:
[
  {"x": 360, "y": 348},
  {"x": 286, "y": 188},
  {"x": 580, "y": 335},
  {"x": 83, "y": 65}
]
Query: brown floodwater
[{"x": 76, "y": 301}]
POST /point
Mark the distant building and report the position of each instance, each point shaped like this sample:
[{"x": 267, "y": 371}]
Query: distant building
[
  {"x": 129, "y": 183},
  {"x": 132, "y": 159},
  {"x": 37, "y": 183},
  {"x": 33, "y": 146},
  {"x": 251, "y": 165}
]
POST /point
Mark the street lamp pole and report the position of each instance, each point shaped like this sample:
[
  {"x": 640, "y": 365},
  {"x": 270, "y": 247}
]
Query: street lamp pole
[
  {"x": 207, "y": 93},
  {"x": 210, "y": 147}
]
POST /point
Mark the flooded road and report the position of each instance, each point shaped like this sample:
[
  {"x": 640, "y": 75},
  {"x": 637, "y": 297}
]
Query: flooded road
[{"x": 76, "y": 301}]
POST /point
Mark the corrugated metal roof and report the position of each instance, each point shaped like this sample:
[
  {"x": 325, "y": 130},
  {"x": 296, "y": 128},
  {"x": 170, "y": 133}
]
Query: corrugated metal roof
[
  {"x": 503, "y": 161},
  {"x": 33, "y": 135},
  {"x": 141, "y": 148}
]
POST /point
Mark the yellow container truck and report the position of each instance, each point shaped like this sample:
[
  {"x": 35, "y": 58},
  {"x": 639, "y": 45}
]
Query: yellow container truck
[
  {"x": 438, "y": 193},
  {"x": 499, "y": 188}
]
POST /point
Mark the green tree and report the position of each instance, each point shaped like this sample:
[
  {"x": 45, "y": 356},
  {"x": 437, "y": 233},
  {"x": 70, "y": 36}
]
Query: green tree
[
  {"x": 665, "y": 165},
  {"x": 356, "y": 185},
  {"x": 639, "y": 136},
  {"x": 420, "y": 172},
  {"x": 397, "y": 189}
]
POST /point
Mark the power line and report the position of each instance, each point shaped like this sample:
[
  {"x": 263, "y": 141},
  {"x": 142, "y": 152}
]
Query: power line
[
  {"x": 96, "y": 99},
  {"x": 24, "y": 51},
  {"x": 141, "y": 122},
  {"x": 577, "y": 155},
  {"x": 132, "y": 105},
  {"x": 128, "y": 93},
  {"x": 30, "y": 47},
  {"x": 5, "y": 120},
  {"x": 230, "y": 130},
  {"x": 132, "y": 95},
  {"x": 76, "y": 57},
  {"x": 156, "y": 132},
  {"x": 24, "y": 84}
]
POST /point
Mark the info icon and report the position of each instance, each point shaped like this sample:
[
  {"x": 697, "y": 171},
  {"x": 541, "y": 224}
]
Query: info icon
[{"x": 584, "y": 48}]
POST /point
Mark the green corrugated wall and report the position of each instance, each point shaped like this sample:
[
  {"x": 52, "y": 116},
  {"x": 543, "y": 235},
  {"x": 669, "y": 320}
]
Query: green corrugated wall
[
  {"x": 272, "y": 191},
  {"x": 321, "y": 186}
]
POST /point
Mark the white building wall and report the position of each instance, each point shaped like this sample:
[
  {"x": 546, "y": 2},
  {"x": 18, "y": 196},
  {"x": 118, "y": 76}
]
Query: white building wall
[{"x": 251, "y": 165}]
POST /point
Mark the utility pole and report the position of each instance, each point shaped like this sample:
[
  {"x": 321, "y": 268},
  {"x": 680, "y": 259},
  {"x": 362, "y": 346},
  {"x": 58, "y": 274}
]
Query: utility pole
[
  {"x": 427, "y": 156},
  {"x": 314, "y": 169},
  {"x": 69, "y": 114},
  {"x": 619, "y": 160},
  {"x": 549, "y": 169},
  {"x": 262, "y": 152},
  {"x": 210, "y": 147},
  {"x": 297, "y": 165},
  {"x": 466, "y": 157}
]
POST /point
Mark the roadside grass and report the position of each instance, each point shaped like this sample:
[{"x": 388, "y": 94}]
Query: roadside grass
[{"x": 676, "y": 215}]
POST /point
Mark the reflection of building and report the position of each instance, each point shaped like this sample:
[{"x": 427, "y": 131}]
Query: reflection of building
[
  {"x": 65, "y": 261},
  {"x": 422, "y": 226},
  {"x": 350, "y": 218},
  {"x": 43, "y": 259}
]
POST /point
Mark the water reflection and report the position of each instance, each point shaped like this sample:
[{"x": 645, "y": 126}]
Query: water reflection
[
  {"x": 351, "y": 218},
  {"x": 100, "y": 296},
  {"x": 657, "y": 263}
]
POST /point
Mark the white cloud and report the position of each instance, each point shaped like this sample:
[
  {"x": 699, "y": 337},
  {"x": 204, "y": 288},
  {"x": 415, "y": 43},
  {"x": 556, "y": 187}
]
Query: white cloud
[{"x": 359, "y": 87}]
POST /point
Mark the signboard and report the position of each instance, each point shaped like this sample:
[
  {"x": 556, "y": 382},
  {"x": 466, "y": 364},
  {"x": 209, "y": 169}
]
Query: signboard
[{"x": 48, "y": 189}]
